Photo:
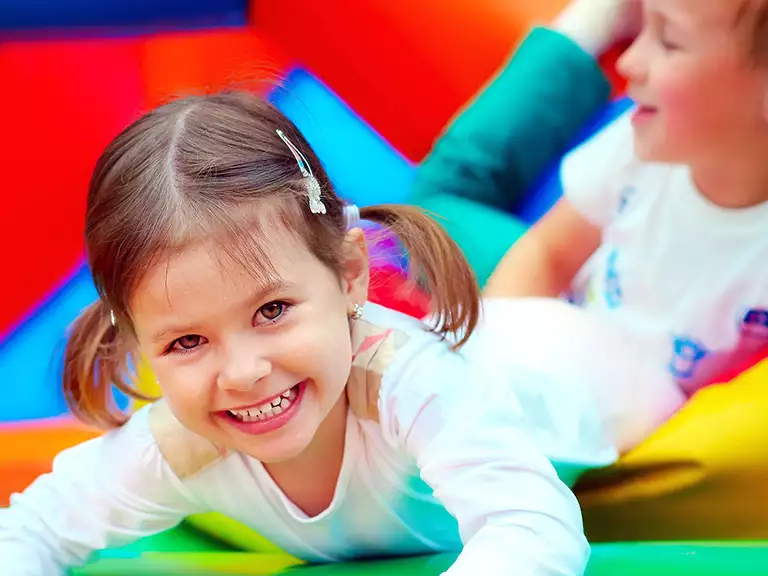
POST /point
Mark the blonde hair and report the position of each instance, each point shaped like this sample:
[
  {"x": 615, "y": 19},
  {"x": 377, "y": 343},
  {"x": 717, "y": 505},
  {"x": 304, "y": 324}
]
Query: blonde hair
[{"x": 203, "y": 166}]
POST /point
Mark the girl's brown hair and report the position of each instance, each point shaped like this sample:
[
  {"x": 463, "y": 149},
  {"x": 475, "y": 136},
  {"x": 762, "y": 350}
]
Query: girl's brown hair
[{"x": 204, "y": 166}]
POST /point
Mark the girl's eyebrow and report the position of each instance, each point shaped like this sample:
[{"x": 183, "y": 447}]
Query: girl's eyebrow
[{"x": 256, "y": 297}]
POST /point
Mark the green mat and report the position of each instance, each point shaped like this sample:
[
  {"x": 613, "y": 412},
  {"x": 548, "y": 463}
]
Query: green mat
[{"x": 183, "y": 551}]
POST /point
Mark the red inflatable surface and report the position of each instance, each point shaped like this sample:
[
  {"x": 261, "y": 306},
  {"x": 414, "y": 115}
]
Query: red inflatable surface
[
  {"x": 608, "y": 64},
  {"x": 390, "y": 288},
  {"x": 405, "y": 66},
  {"x": 180, "y": 64},
  {"x": 740, "y": 367},
  {"x": 60, "y": 104}
]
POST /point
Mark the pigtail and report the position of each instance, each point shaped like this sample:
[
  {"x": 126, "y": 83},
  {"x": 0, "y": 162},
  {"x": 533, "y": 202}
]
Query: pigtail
[
  {"x": 96, "y": 359},
  {"x": 437, "y": 264}
]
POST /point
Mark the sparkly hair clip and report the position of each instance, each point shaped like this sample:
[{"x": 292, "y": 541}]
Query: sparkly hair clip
[{"x": 313, "y": 186}]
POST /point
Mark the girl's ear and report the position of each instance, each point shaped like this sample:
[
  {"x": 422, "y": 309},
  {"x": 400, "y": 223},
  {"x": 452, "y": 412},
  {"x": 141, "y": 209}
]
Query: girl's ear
[{"x": 355, "y": 274}]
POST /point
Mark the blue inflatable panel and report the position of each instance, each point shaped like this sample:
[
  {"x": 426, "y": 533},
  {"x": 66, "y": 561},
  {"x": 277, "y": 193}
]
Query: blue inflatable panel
[
  {"x": 31, "y": 356},
  {"x": 364, "y": 168},
  {"x": 550, "y": 189},
  {"x": 18, "y": 15}
]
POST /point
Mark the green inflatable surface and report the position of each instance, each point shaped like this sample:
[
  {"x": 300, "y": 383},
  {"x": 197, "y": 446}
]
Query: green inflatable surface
[{"x": 186, "y": 551}]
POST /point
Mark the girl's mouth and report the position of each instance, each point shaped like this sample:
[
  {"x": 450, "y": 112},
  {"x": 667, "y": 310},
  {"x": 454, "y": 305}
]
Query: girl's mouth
[
  {"x": 270, "y": 414},
  {"x": 642, "y": 113},
  {"x": 268, "y": 409}
]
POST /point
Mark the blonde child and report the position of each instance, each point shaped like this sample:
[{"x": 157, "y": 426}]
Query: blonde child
[
  {"x": 663, "y": 228},
  {"x": 223, "y": 257}
]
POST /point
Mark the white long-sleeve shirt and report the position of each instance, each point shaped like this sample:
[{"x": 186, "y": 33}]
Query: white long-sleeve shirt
[{"x": 451, "y": 464}]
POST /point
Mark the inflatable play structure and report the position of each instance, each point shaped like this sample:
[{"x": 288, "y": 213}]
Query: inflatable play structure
[{"x": 371, "y": 84}]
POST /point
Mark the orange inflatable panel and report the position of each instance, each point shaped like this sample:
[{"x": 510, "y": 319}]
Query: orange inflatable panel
[
  {"x": 61, "y": 103},
  {"x": 193, "y": 63},
  {"x": 29, "y": 449},
  {"x": 406, "y": 67}
]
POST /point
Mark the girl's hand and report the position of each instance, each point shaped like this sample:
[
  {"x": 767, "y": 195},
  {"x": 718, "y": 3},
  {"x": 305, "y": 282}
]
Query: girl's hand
[
  {"x": 373, "y": 350},
  {"x": 596, "y": 25}
]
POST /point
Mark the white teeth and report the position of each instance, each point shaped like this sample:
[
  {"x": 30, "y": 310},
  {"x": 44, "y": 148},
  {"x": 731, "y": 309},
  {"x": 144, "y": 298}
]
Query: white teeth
[{"x": 268, "y": 409}]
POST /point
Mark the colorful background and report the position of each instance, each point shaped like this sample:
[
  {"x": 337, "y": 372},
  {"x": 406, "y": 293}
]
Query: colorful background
[{"x": 370, "y": 82}]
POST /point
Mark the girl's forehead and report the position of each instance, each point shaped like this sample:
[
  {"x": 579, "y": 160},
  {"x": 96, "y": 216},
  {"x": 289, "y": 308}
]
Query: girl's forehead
[{"x": 215, "y": 268}]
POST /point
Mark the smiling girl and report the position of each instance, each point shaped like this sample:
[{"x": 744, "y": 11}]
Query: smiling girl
[{"x": 224, "y": 258}]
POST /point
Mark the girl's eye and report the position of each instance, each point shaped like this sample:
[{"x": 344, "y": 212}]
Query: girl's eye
[
  {"x": 187, "y": 343},
  {"x": 669, "y": 46},
  {"x": 272, "y": 311}
]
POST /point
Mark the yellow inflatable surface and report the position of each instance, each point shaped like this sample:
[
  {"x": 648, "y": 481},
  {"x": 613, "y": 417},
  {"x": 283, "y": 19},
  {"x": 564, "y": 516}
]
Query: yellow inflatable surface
[
  {"x": 702, "y": 475},
  {"x": 146, "y": 382}
]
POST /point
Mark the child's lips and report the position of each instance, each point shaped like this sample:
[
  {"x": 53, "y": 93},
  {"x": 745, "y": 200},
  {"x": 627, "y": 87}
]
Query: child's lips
[{"x": 643, "y": 112}]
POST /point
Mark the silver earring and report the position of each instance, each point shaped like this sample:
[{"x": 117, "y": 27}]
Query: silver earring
[
  {"x": 357, "y": 312},
  {"x": 112, "y": 318}
]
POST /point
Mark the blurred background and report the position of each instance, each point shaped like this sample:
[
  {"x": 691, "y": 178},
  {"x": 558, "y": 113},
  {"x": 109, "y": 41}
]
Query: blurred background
[{"x": 371, "y": 83}]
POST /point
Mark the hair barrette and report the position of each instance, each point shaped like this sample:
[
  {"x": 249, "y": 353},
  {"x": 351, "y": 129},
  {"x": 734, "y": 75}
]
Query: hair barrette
[{"x": 313, "y": 186}]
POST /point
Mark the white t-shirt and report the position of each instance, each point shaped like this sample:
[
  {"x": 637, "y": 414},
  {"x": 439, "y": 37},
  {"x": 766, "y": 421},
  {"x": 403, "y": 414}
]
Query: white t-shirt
[
  {"x": 672, "y": 264},
  {"x": 452, "y": 464}
]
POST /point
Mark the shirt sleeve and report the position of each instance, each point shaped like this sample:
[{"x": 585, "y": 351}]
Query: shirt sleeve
[
  {"x": 596, "y": 175},
  {"x": 470, "y": 440},
  {"x": 104, "y": 493}
]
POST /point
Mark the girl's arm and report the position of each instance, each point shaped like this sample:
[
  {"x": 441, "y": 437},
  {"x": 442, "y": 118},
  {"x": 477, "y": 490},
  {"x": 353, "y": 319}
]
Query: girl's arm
[
  {"x": 469, "y": 437},
  {"x": 104, "y": 493}
]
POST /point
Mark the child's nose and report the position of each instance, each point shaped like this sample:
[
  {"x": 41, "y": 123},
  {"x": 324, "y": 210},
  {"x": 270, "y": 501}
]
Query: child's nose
[
  {"x": 243, "y": 369},
  {"x": 632, "y": 63}
]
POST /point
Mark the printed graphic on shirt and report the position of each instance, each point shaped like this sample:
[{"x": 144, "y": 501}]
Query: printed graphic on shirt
[
  {"x": 755, "y": 325},
  {"x": 694, "y": 365},
  {"x": 583, "y": 294},
  {"x": 753, "y": 336},
  {"x": 624, "y": 198},
  {"x": 613, "y": 292},
  {"x": 572, "y": 296},
  {"x": 580, "y": 295},
  {"x": 686, "y": 356}
]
